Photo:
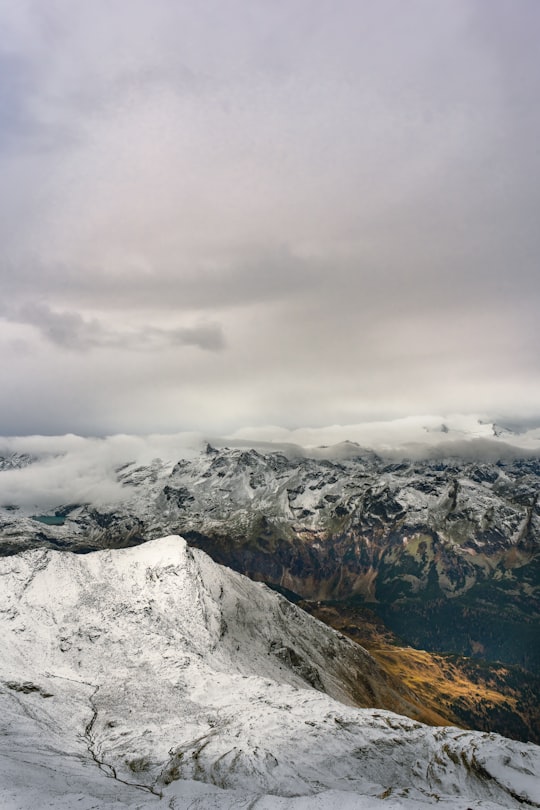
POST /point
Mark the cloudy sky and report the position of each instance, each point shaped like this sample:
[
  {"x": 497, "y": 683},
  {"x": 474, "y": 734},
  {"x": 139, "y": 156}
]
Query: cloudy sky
[{"x": 226, "y": 214}]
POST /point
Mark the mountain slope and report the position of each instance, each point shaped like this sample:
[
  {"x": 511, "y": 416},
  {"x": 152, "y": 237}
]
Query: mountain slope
[
  {"x": 445, "y": 550},
  {"x": 127, "y": 672},
  {"x": 467, "y": 691}
]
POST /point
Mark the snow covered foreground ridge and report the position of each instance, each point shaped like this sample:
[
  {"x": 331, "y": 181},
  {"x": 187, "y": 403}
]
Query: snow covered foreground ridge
[{"x": 150, "y": 672}]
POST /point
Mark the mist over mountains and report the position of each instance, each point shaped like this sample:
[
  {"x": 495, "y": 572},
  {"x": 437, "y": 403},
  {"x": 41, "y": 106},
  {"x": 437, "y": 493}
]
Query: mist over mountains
[
  {"x": 73, "y": 468},
  {"x": 436, "y": 549}
]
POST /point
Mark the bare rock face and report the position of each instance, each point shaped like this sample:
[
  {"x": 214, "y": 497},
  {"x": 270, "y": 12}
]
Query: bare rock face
[{"x": 148, "y": 672}]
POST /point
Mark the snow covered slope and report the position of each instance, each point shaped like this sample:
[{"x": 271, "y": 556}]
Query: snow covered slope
[{"x": 131, "y": 674}]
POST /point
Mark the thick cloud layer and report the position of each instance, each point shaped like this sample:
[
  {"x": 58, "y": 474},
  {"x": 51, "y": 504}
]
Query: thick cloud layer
[{"x": 216, "y": 215}]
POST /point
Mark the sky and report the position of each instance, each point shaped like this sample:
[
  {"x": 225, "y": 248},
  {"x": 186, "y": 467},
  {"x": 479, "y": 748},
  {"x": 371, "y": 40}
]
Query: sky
[{"x": 227, "y": 215}]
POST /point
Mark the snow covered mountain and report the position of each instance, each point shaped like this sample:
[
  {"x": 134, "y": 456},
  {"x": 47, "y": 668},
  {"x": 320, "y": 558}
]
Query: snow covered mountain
[
  {"x": 148, "y": 672},
  {"x": 444, "y": 550},
  {"x": 454, "y": 540}
]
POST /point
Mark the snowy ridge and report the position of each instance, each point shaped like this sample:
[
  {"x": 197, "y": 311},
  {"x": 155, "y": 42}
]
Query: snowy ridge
[{"x": 151, "y": 671}]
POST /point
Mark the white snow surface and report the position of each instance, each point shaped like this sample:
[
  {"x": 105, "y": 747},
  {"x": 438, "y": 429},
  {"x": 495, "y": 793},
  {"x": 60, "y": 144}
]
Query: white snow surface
[{"x": 148, "y": 677}]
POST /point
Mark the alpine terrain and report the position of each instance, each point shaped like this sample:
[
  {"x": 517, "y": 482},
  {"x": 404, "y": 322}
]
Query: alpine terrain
[
  {"x": 151, "y": 676},
  {"x": 438, "y": 554}
]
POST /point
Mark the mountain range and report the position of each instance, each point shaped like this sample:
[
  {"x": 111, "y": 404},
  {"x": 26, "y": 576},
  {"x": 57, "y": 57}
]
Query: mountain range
[{"x": 437, "y": 554}]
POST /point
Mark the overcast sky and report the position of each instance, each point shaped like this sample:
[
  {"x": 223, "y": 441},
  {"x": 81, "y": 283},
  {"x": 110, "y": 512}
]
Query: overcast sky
[{"x": 225, "y": 214}]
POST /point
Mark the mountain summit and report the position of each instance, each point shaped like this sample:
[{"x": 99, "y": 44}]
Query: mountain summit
[{"x": 134, "y": 674}]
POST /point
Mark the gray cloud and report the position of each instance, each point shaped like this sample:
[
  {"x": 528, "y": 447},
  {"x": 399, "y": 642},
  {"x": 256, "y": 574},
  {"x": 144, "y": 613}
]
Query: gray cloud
[
  {"x": 205, "y": 337},
  {"x": 66, "y": 329},
  {"x": 350, "y": 198},
  {"x": 70, "y": 330}
]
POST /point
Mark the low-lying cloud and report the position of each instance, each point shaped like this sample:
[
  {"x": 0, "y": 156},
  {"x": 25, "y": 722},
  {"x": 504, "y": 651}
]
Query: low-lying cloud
[
  {"x": 72, "y": 469},
  {"x": 75, "y": 470}
]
